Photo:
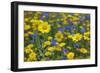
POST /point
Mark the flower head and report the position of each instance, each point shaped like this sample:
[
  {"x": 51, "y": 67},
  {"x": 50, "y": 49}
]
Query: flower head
[
  {"x": 76, "y": 45},
  {"x": 33, "y": 35},
  {"x": 70, "y": 55},
  {"x": 53, "y": 42},
  {"x": 32, "y": 56},
  {"x": 46, "y": 14},
  {"x": 36, "y": 23},
  {"x": 83, "y": 50},
  {"x": 49, "y": 38},
  {"x": 27, "y": 27},
  {"x": 67, "y": 27},
  {"x": 61, "y": 44},
  {"x": 69, "y": 22},
  {"x": 86, "y": 36},
  {"x": 76, "y": 37},
  {"x": 47, "y": 53},
  {"x": 44, "y": 28},
  {"x": 82, "y": 30},
  {"x": 73, "y": 26},
  {"x": 59, "y": 36},
  {"x": 51, "y": 49},
  {"x": 60, "y": 29},
  {"x": 57, "y": 48},
  {"x": 65, "y": 50}
]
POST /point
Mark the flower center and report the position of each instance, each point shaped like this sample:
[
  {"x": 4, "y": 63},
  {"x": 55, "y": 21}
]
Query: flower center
[{"x": 45, "y": 27}]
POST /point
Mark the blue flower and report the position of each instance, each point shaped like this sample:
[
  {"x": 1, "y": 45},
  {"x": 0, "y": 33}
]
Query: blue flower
[
  {"x": 82, "y": 30},
  {"x": 67, "y": 27},
  {"x": 69, "y": 22},
  {"x": 76, "y": 45},
  {"x": 53, "y": 42},
  {"x": 73, "y": 26},
  {"x": 33, "y": 35},
  {"x": 41, "y": 18},
  {"x": 88, "y": 17},
  {"x": 65, "y": 50},
  {"x": 46, "y": 14},
  {"x": 60, "y": 29}
]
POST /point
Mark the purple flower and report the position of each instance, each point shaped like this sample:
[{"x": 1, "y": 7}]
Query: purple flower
[
  {"x": 67, "y": 27},
  {"x": 82, "y": 30},
  {"x": 76, "y": 45},
  {"x": 53, "y": 42},
  {"x": 88, "y": 17},
  {"x": 33, "y": 35},
  {"x": 65, "y": 50},
  {"x": 46, "y": 14},
  {"x": 41, "y": 18},
  {"x": 73, "y": 26},
  {"x": 60, "y": 29},
  {"x": 69, "y": 22}
]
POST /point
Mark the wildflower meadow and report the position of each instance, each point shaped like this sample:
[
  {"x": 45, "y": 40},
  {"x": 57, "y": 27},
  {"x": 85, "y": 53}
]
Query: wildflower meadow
[{"x": 50, "y": 36}]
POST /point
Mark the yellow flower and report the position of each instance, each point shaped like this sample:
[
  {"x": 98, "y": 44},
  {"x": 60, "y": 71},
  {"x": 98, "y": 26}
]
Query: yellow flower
[
  {"x": 26, "y": 27},
  {"x": 75, "y": 18},
  {"x": 44, "y": 28},
  {"x": 59, "y": 36},
  {"x": 36, "y": 23},
  {"x": 49, "y": 38},
  {"x": 51, "y": 49},
  {"x": 26, "y": 19},
  {"x": 47, "y": 53},
  {"x": 58, "y": 48},
  {"x": 77, "y": 37},
  {"x": 26, "y": 35},
  {"x": 61, "y": 44},
  {"x": 32, "y": 56},
  {"x": 70, "y": 55},
  {"x": 86, "y": 35},
  {"x": 70, "y": 36},
  {"x": 46, "y": 43},
  {"x": 30, "y": 33},
  {"x": 83, "y": 50},
  {"x": 75, "y": 22},
  {"x": 68, "y": 47},
  {"x": 28, "y": 50},
  {"x": 30, "y": 46},
  {"x": 76, "y": 14}
]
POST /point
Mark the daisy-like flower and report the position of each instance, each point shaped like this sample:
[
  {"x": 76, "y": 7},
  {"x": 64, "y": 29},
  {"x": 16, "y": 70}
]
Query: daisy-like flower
[
  {"x": 44, "y": 28},
  {"x": 36, "y": 23},
  {"x": 59, "y": 36},
  {"x": 70, "y": 55},
  {"x": 83, "y": 50},
  {"x": 86, "y": 36},
  {"x": 27, "y": 27},
  {"x": 32, "y": 56},
  {"x": 76, "y": 37},
  {"x": 51, "y": 49}
]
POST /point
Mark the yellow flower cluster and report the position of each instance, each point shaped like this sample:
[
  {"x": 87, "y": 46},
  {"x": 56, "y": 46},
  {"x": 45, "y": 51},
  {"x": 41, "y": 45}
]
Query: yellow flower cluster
[
  {"x": 32, "y": 56},
  {"x": 76, "y": 37},
  {"x": 86, "y": 36},
  {"x": 41, "y": 26}
]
